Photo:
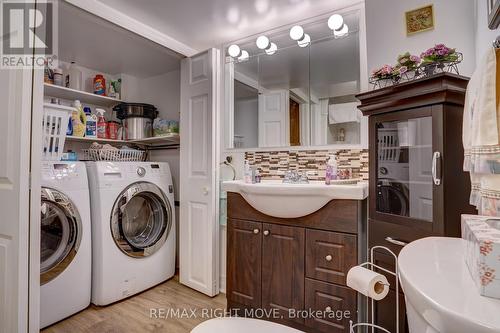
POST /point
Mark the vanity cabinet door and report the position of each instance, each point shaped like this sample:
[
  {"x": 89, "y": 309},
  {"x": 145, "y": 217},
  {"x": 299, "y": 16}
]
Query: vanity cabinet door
[
  {"x": 244, "y": 262},
  {"x": 283, "y": 268}
]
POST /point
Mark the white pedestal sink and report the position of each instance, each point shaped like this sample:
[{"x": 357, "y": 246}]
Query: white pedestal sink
[{"x": 283, "y": 200}]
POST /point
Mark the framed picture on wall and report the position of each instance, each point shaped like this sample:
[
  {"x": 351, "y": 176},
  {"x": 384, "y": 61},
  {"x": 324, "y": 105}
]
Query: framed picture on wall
[{"x": 419, "y": 20}]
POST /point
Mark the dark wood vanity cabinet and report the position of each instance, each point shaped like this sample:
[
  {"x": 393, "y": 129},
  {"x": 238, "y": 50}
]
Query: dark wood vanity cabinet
[
  {"x": 417, "y": 186},
  {"x": 288, "y": 265}
]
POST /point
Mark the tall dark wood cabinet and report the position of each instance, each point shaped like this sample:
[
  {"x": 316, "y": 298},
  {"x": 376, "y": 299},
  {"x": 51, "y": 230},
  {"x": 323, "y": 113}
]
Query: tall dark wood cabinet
[{"x": 417, "y": 186}]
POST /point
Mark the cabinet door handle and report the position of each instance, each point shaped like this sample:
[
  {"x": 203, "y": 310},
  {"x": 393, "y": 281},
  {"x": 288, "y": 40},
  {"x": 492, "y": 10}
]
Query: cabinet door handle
[
  {"x": 328, "y": 258},
  {"x": 395, "y": 241},
  {"x": 435, "y": 177},
  {"x": 266, "y": 232},
  {"x": 256, "y": 231}
]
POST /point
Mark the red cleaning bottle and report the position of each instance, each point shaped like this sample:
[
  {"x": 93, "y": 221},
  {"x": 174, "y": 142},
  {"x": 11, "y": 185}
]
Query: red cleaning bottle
[{"x": 101, "y": 124}]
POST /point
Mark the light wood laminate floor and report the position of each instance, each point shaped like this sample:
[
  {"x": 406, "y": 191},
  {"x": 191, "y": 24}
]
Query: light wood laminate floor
[{"x": 134, "y": 314}]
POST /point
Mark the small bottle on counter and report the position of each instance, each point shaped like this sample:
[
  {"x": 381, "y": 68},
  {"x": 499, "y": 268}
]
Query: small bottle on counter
[
  {"x": 257, "y": 176},
  {"x": 247, "y": 173},
  {"x": 331, "y": 170}
]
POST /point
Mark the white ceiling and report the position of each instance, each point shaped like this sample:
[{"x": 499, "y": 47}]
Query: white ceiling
[
  {"x": 202, "y": 24},
  {"x": 98, "y": 44}
]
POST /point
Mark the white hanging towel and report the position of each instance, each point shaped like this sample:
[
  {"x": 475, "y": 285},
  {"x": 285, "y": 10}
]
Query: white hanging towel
[
  {"x": 344, "y": 113},
  {"x": 481, "y": 135}
]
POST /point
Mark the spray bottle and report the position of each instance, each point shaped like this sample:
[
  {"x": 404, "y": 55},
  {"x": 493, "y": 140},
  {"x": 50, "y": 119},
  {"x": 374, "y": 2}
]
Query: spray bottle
[{"x": 101, "y": 124}]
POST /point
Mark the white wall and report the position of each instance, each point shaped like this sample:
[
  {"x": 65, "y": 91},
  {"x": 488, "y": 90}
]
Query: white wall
[
  {"x": 163, "y": 91},
  {"x": 484, "y": 36},
  {"x": 246, "y": 121},
  {"x": 386, "y": 32}
]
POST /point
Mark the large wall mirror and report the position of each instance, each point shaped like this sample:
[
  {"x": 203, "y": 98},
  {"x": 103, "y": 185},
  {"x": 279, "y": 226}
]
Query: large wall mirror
[{"x": 297, "y": 93}]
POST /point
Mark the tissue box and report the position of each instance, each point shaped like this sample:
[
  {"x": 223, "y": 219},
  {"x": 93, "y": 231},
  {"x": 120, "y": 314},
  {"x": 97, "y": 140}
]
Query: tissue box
[{"x": 482, "y": 252}]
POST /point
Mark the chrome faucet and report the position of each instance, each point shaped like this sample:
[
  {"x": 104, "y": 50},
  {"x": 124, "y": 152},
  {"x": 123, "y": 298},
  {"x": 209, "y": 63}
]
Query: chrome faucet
[{"x": 295, "y": 177}]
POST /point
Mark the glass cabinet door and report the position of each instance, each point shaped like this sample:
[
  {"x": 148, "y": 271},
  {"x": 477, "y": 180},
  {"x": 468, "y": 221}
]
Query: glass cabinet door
[{"x": 404, "y": 185}]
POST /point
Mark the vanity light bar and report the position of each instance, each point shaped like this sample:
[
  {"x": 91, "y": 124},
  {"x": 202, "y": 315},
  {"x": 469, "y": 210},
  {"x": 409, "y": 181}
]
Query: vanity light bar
[{"x": 235, "y": 52}]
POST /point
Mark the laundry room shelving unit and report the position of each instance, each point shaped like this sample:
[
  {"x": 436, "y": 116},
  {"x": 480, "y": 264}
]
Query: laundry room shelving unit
[
  {"x": 83, "y": 96},
  {"x": 170, "y": 139}
]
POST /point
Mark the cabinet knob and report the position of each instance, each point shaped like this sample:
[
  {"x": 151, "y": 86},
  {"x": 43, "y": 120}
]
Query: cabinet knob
[
  {"x": 328, "y": 258},
  {"x": 266, "y": 232},
  {"x": 328, "y": 309},
  {"x": 255, "y": 231}
]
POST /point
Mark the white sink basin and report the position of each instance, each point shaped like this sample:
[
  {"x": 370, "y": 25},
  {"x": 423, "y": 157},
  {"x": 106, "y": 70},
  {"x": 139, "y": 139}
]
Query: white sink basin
[
  {"x": 277, "y": 199},
  {"x": 439, "y": 291}
]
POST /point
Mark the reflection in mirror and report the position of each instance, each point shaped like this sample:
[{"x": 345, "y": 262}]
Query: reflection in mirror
[{"x": 300, "y": 95}]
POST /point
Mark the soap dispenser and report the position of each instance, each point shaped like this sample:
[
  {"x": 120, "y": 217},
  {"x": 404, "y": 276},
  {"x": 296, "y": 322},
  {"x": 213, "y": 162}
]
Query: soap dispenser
[
  {"x": 331, "y": 170},
  {"x": 247, "y": 173}
]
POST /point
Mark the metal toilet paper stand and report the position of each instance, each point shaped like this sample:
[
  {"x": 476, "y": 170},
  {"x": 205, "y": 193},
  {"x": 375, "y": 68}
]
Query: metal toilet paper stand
[{"x": 370, "y": 265}]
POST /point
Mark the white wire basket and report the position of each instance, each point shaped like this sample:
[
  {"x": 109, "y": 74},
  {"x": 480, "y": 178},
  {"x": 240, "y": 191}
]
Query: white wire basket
[
  {"x": 54, "y": 126},
  {"x": 116, "y": 155}
]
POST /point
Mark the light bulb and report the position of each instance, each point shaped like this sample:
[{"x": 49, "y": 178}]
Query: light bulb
[
  {"x": 296, "y": 32},
  {"x": 233, "y": 50},
  {"x": 272, "y": 49},
  {"x": 262, "y": 42},
  {"x": 342, "y": 32},
  {"x": 304, "y": 41},
  {"x": 244, "y": 56},
  {"x": 335, "y": 22}
]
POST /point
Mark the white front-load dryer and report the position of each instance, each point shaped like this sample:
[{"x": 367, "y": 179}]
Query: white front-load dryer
[
  {"x": 133, "y": 229},
  {"x": 65, "y": 251}
]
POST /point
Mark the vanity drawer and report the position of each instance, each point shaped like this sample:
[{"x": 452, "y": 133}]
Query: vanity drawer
[
  {"x": 336, "y": 304},
  {"x": 330, "y": 255},
  {"x": 392, "y": 235}
]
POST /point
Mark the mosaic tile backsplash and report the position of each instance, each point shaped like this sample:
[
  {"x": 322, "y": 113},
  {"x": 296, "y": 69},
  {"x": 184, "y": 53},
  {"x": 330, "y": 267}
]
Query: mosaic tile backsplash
[{"x": 273, "y": 164}]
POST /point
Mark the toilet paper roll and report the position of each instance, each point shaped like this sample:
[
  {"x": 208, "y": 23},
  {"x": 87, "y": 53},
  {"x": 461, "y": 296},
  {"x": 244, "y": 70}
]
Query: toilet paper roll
[{"x": 368, "y": 282}]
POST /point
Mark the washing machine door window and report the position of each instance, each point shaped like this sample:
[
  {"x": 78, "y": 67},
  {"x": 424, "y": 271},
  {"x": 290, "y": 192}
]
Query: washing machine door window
[
  {"x": 60, "y": 233},
  {"x": 141, "y": 220}
]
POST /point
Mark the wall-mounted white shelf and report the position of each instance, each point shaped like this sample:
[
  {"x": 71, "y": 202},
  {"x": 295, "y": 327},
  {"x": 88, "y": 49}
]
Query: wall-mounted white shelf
[
  {"x": 52, "y": 90},
  {"x": 167, "y": 140}
]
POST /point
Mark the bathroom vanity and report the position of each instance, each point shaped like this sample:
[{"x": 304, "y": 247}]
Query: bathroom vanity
[{"x": 281, "y": 265}]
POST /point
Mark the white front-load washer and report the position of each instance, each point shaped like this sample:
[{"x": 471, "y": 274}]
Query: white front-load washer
[
  {"x": 65, "y": 251},
  {"x": 133, "y": 229}
]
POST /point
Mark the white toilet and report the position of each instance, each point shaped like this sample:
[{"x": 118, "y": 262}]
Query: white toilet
[
  {"x": 241, "y": 325},
  {"x": 439, "y": 291}
]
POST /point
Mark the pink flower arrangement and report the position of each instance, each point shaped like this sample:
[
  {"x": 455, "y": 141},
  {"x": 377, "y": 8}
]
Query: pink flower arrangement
[
  {"x": 384, "y": 72},
  {"x": 410, "y": 61},
  {"x": 439, "y": 53}
]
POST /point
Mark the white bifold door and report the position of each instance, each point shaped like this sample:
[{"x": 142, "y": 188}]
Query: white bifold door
[
  {"x": 198, "y": 226},
  {"x": 15, "y": 151}
]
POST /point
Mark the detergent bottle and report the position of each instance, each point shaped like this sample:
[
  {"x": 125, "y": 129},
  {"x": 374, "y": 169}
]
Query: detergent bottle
[{"x": 78, "y": 119}]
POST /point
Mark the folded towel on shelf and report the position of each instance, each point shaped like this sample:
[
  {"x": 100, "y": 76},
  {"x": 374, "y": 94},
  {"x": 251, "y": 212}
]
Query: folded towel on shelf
[{"x": 343, "y": 113}]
